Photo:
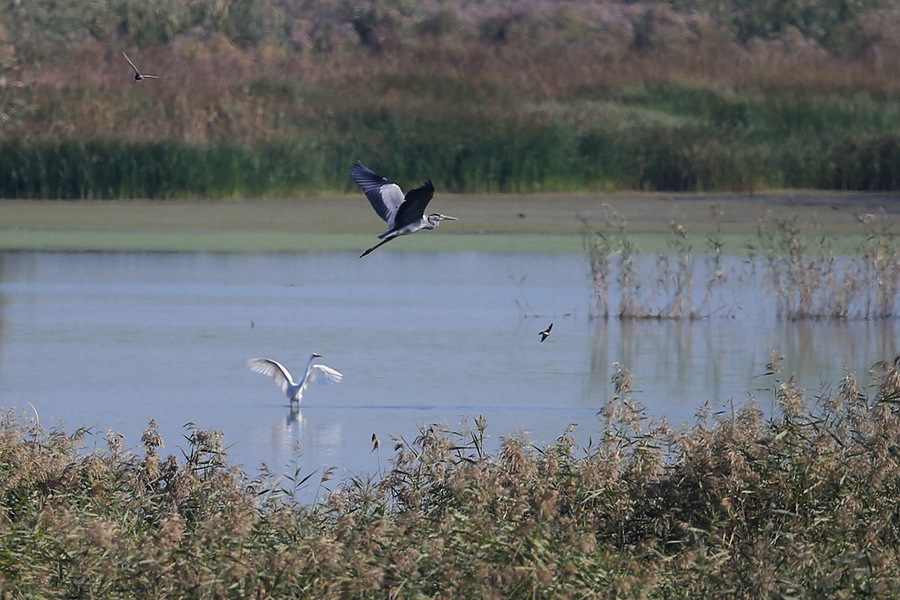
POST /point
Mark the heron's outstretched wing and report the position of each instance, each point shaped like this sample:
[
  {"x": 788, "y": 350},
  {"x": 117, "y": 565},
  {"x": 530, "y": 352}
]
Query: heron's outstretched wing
[
  {"x": 413, "y": 207},
  {"x": 384, "y": 195},
  {"x": 273, "y": 369}
]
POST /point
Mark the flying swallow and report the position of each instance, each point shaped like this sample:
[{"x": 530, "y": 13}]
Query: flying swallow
[
  {"x": 137, "y": 74},
  {"x": 545, "y": 332}
]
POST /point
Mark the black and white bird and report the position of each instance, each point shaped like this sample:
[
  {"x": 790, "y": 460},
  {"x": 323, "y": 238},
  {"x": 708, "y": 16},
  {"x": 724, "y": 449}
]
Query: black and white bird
[
  {"x": 545, "y": 332},
  {"x": 137, "y": 74},
  {"x": 403, "y": 214},
  {"x": 292, "y": 389}
]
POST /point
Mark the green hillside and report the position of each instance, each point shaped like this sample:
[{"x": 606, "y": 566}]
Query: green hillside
[{"x": 274, "y": 98}]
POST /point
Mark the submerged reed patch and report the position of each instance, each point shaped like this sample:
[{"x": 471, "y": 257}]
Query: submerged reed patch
[
  {"x": 801, "y": 503},
  {"x": 660, "y": 287},
  {"x": 797, "y": 272},
  {"x": 810, "y": 282}
]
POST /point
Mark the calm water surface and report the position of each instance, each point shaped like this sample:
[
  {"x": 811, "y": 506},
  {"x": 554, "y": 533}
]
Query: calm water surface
[{"x": 111, "y": 340}]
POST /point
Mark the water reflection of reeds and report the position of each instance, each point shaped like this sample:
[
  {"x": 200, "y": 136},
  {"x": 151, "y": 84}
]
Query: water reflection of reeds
[{"x": 680, "y": 365}]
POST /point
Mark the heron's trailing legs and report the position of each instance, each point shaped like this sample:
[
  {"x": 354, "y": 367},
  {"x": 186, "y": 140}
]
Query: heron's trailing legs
[{"x": 381, "y": 243}]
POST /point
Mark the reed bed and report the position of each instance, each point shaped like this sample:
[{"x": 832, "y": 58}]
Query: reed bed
[
  {"x": 797, "y": 270},
  {"x": 630, "y": 141},
  {"x": 802, "y": 503},
  {"x": 811, "y": 283}
]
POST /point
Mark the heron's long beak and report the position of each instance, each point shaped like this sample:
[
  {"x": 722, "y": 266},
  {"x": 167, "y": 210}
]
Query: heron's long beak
[{"x": 449, "y": 218}]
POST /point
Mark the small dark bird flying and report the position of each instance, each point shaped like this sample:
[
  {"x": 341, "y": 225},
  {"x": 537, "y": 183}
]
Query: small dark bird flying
[
  {"x": 137, "y": 74},
  {"x": 403, "y": 214},
  {"x": 545, "y": 332}
]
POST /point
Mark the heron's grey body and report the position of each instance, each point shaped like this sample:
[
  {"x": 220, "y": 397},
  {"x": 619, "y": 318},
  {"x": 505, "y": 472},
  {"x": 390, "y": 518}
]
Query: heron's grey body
[
  {"x": 293, "y": 389},
  {"x": 403, "y": 214},
  {"x": 137, "y": 74}
]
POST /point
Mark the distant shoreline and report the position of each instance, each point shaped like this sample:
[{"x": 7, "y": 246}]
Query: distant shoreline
[{"x": 509, "y": 222}]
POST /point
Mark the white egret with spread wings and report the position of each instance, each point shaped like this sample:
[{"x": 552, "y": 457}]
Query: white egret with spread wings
[{"x": 292, "y": 389}]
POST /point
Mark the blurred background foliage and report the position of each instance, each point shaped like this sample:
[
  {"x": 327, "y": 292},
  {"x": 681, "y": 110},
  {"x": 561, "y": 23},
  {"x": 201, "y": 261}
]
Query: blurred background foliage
[{"x": 272, "y": 97}]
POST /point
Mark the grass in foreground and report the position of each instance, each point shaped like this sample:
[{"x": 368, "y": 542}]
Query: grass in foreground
[{"x": 804, "y": 504}]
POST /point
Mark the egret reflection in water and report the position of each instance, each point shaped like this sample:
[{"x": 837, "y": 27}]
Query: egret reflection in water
[{"x": 296, "y": 435}]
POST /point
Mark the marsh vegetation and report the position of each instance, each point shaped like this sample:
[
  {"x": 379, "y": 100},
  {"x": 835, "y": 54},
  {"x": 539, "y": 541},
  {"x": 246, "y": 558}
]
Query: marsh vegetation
[
  {"x": 802, "y": 504},
  {"x": 268, "y": 98},
  {"x": 787, "y": 493},
  {"x": 801, "y": 272}
]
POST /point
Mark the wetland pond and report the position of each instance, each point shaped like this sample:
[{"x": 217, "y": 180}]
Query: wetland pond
[{"x": 110, "y": 340}]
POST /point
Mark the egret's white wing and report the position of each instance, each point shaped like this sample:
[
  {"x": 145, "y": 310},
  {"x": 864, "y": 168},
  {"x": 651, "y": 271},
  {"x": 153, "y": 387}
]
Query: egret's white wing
[
  {"x": 384, "y": 195},
  {"x": 273, "y": 369},
  {"x": 322, "y": 374}
]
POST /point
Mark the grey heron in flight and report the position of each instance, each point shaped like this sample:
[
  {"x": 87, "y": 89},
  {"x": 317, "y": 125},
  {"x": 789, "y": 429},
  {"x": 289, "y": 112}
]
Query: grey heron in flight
[
  {"x": 292, "y": 389},
  {"x": 403, "y": 214},
  {"x": 137, "y": 74}
]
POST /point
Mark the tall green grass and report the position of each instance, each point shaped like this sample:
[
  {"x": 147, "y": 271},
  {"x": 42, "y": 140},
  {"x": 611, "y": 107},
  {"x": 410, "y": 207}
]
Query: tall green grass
[
  {"x": 802, "y": 503},
  {"x": 73, "y": 169},
  {"x": 669, "y": 137}
]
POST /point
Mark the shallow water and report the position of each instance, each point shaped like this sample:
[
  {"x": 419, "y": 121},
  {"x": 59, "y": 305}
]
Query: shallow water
[{"x": 111, "y": 340}]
